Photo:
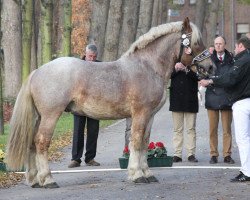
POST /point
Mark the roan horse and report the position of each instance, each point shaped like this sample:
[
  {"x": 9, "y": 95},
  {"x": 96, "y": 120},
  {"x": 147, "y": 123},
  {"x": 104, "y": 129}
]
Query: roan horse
[{"x": 132, "y": 86}]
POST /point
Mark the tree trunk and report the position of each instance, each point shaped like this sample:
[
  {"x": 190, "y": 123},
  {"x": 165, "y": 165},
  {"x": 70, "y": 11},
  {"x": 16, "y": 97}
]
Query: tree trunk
[
  {"x": 100, "y": 10},
  {"x": 164, "y": 17},
  {"x": 129, "y": 25},
  {"x": 27, "y": 16},
  {"x": 57, "y": 30},
  {"x": 37, "y": 33},
  {"x": 200, "y": 13},
  {"x": 46, "y": 30},
  {"x": 113, "y": 31},
  {"x": 212, "y": 22},
  {"x": 66, "y": 37},
  {"x": 155, "y": 13},
  {"x": 61, "y": 32},
  {"x": 145, "y": 17},
  {"x": 11, "y": 41},
  {"x": 33, "y": 61},
  {"x": 1, "y": 75}
]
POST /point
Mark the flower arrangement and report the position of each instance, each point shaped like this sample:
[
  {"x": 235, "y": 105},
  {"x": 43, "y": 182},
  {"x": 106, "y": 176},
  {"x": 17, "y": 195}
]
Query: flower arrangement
[
  {"x": 126, "y": 152},
  {"x": 155, "y": 149},
  {"x": 2, "y": 155}
]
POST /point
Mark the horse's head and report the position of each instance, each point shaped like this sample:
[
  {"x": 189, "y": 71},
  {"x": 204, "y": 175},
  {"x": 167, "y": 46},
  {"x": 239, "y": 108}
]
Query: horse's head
[{"x": 193, "y": 52}]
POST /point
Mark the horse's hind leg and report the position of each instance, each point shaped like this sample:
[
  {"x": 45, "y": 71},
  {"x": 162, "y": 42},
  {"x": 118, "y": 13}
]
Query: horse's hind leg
[
  {"x": 31, "y": 169},
  {"x": 42, "y": 142}
]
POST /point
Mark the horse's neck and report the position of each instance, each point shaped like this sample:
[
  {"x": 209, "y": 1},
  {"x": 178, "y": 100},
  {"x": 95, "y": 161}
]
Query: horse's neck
[{"x": 160, "y": 54}]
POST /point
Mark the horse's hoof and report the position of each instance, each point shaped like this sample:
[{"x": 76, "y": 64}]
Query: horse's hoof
[
  {"x": 36, "y": 185},
  {"x": 152, "y": 179},
  {"x": 51, "y": 185},
  {"x": 141, "y": 180}
]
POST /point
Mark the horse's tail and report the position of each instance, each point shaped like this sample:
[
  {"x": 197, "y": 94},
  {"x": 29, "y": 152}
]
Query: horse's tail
[{"x": 21, "y": 128}]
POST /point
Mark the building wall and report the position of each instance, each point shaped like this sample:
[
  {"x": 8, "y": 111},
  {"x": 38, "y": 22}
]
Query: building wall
[{"x": 230, "y": 15}]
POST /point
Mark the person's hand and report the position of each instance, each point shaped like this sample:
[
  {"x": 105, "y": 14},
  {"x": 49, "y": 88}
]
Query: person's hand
[
  {"x": 205, "y": 83},
  {"x": 179, "y": 67}
]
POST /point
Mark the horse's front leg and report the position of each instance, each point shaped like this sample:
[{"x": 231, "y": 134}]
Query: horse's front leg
[
  {"x": 138, "y": 152},
  {"x": 42, "y": 142},
  {"x": 144, "y": 164}
]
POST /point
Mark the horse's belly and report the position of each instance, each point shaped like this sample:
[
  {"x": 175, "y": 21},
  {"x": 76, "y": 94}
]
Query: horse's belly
[{"x": 103, "y": 111}]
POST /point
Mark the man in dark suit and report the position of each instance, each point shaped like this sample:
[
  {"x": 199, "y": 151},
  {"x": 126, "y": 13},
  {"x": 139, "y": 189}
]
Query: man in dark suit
[
  {"x": 79, "y": 126},
  {"x": 218, "y": 104}
]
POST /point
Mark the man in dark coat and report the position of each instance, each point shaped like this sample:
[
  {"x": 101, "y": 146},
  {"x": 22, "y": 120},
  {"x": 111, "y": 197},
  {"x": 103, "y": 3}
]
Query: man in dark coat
[
  {"x": 184, "y": 106},
  {"x": 79, "y": 126},
  {"x": 237, "y": 84},
  {"x": 217, "y": 103}
]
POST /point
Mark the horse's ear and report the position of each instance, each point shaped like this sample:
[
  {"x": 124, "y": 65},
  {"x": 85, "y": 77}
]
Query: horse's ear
[{"x": 186, "y": 25}]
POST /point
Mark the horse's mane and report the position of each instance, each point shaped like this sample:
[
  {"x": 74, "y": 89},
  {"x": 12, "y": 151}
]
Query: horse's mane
[{"x": 159, "y": 31}]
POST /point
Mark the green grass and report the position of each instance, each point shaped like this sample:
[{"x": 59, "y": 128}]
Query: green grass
[{"x": 64, "y": 125}]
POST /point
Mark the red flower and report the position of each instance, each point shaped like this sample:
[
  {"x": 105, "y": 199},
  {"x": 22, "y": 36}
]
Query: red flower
[
  {"x": 151, "y": 146},
  {"x": 159, "y": 144},
  {"x": 126, "y": 150}
]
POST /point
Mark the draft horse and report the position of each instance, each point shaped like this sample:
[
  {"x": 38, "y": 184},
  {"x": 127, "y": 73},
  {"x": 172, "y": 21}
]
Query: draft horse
[{"x": 132, "y": 86}]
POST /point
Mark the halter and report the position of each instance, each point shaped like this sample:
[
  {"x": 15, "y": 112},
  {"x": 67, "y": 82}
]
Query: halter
[{"x": 185, "y": 42}]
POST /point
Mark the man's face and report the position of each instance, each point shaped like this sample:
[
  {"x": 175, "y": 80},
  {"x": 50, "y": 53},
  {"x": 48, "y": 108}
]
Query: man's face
[
  {"x": 219, "y": 45},
  {"x": 238, "y": 48},
  {"x": 90, "y": 56}
]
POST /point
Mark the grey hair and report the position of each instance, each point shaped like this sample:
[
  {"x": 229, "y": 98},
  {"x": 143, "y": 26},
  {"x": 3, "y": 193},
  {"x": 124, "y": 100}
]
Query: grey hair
[{"x": 92, "y": 48}]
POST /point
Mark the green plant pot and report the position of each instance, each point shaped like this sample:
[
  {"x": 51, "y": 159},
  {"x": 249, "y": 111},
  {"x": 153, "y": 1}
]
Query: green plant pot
[
  {"x": 152, "y": 162},
  {"x": 160, "y": 162},
  {"x": 3, "y": 167}
]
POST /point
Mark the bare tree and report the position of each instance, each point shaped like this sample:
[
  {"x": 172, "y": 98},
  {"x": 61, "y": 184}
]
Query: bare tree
[
  {"x": 145, "y": 17},
  {"x": 12, "y": 43},
  {"x": 27, "y": 17},
  {"x": 164, "y": 17},
  {"x": 46, "y": 30},
  {"x": 129, "y": 25},
  {"x": 62, "y": 28},
  {"x": 200, "y": 13},
  {"x": 113, "y": 30},
  {"x": 212, "y": 22},
  {"x": 100, "y": 10},
  {"x": 155, "y": 14},
  {"x": 1, "y": 75}
]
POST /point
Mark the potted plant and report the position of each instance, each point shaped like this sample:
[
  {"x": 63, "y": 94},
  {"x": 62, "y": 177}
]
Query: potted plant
[
  {"x": 156, "y": 156},
  {"x": 2, "y": 164}
]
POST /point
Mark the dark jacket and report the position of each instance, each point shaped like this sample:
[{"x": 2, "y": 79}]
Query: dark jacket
[
  {"x": 183, "y": 92},
  {"x": 216, "y": 98},
  {"x": 237, "y": 79}
]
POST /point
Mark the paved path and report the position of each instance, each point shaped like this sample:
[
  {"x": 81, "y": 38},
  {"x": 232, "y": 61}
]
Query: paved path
[{"x": 183, "y": 181}]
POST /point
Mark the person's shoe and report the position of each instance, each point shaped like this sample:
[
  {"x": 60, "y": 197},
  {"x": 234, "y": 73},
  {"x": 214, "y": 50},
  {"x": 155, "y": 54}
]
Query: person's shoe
[
  {"x": 177, "y": 159},
  {"x": 93, "y": 163},
  {"x": 73, "y": 164},
  {"x": 213, "y": 160},
  {"x": 192, "y": 158},
  {"x": 228, "y": 160},
  {"x": 240, "y": 178}
]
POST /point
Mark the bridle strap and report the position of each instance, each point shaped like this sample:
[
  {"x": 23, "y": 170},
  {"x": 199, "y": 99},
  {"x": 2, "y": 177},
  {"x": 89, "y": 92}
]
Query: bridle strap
[
  {"x": 185, "y": 42},
  {"x": 202, "y": 56}
]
